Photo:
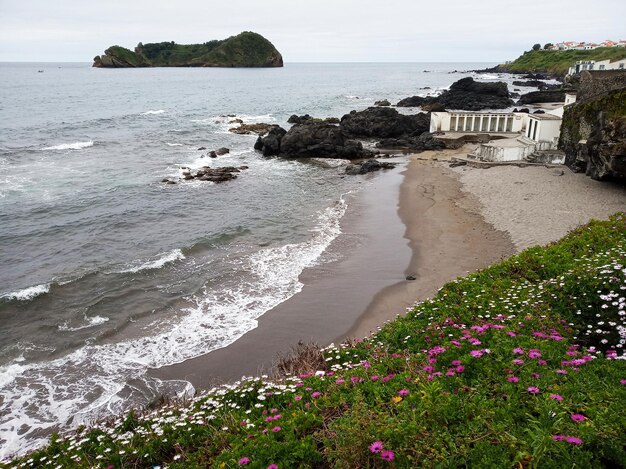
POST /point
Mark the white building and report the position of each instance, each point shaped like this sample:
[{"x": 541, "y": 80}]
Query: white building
[
  {"x": 487, "y": 122},
  {"x": 582, "y": 65}
]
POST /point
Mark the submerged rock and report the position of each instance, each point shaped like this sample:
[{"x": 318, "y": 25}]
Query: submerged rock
[
  {"x": 206, "y": 173},
  {"x": 247, "y": 129}
]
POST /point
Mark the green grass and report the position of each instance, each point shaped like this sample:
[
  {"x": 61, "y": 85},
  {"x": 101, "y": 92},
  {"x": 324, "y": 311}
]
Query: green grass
[
  {"x": 558, "y": 62},
  {"x": 512, "y": 366}
]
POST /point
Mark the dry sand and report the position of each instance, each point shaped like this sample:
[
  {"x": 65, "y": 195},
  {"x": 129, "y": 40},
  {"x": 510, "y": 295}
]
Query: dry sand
[
  {"x": 538, "y": 205},
  {"x": 446, "y": 223}
]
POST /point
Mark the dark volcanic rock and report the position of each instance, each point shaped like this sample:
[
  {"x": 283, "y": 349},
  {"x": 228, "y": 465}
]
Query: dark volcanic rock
[
  {"x": 246, "y": 129},
  {"x": 382, "y": 122},
  {"x": 382, "y": 103},
  {"x": 319, "y": 139},
  {"x": 542, "y": 97},
  {"x": 222, "y": 151},
  {"x": 423, "y": 142},
  {"x": 206, "y": 173},
  {"x": 534, "y": 83},
  {"x": 413, "y": 101},
  {"x": 294, "y": 119},
  {"x": 270, "y": 144},
  {"x": 468, "y": 95},
  {"x": 368, "y": 167}
]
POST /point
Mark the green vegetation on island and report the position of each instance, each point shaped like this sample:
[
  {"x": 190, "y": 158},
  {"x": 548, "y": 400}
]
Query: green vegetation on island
[
  {"x": 557, "y": 62},
  {"x": 247, "y": 49},
  {"x": 517, "y": 365}
]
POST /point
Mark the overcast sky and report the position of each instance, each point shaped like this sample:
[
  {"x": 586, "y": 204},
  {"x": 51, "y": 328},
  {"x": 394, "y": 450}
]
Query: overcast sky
[{"x": 309, "y": 30}]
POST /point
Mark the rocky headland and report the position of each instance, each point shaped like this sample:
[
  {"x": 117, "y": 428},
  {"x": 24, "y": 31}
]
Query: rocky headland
[{"x": 247, "y": 49}]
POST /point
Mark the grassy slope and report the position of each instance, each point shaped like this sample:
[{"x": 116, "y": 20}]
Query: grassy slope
[
  {"x": 558, "y": 62},
  {"x": 511, "y": 366}
]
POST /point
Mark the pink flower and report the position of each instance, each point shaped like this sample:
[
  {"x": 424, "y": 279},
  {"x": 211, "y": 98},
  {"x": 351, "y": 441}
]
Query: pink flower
[
  {"x": 533, "y": 390},
  {"x": 558, "y": 437},
  {"x": 578, "y": 417},
  {"x": 474, "y": 341},
  {"x": 477, "y": 353},
  {"x": 403, "y": 392},
  {"x": 533, "y": 353},
  {"x": 272, "y": 466},
  {"x": 387, "y": 455},
  {"x": 298, "y": 398},
  {"x": 460, "y": 369},
  {"x": 376, "y": 447},
  {"x": 536, "y": 375},
  {"x": 450, "y": 372},
  {"x": 518, "y": 351},
  {"x": 512, "y": 379},
  {"x": 244, "y": 461},
  {"x": 456, "y": 362},
  {"x": 561, "y": 372},
  {"x": 574, "y": 440},
  {"x": 556, "y": 397},
  {"x": 340, "y": 381},
  {"x": 428, "y": 369},
  {"x": 375, "y": 378},
  {"x": 622, "y": 381},
  {"x": 276, "y": 429},
  {"x": 316, "y": 394},
  {"x": 542, "y": 362},
  {"x": 511, "y": 334},
  {"x": 518, "y": 361}
]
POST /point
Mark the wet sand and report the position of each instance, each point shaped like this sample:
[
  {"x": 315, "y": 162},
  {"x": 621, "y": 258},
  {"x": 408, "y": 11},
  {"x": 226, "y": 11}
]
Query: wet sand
[{"x": 434, "y": 232}]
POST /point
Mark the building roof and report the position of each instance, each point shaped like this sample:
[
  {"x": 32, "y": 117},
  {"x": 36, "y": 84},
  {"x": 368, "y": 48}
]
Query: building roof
[{"x": 544, "y": 117}]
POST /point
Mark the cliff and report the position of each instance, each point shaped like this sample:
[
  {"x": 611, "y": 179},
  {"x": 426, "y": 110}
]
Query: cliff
[
  {"x": 557, "y": 62},
  {"x": 593, "y": 133},
  {"x": 247, "y": 49}
]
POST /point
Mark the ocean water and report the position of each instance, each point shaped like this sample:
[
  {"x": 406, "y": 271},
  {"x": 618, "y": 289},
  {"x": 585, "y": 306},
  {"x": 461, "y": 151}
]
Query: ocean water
[{"x": 105, "y": 271}]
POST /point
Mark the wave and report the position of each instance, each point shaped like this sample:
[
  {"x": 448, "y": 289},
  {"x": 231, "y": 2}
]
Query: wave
[
  {"x": 173, "y": 144},
  {"x": 27, "y": 293},
  {"x": 220, "y": 316},
  {"x": 71, "y": 146},
  {"x": 488, "y": 77},
  {"x": 164, "y": 258},
  {"x": 91, "y": 322},
  {"x": 152, "y": 113}
]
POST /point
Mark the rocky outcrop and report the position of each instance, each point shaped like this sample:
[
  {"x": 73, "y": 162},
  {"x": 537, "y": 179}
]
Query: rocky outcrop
[
  {"x": 294, "y": 119},
  {"x": 593, "y": 136},
  {"x": 552, "y": 96},
  {"x": 382, "y": 122},
  {"x": 318, "y": 139},
  {"x": 247, "y": 129},
  {"x": 247, "y": 49},
  {"x": 269, "y": 144},
  {"x": 206, "y": 173},
  {"x": 368, "y": 166},
  {"x": 382, "y": 102},
  {"x": 423, "y": 142},
  {"x": 466, "y": 94}
]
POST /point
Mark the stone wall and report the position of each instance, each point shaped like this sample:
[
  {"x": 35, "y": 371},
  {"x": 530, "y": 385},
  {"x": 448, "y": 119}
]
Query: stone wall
[{"x": 598, "y": 83}]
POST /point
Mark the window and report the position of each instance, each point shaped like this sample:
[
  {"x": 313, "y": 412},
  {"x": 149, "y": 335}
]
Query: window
[{"x": 601, "y": 67}]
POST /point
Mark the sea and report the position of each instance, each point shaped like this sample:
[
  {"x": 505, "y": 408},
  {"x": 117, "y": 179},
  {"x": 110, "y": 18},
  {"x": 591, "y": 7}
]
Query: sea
[{"x": 105, "y": 271}]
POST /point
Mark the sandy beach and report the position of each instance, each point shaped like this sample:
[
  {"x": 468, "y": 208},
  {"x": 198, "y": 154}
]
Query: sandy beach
[{"x": 444, "y": 223}]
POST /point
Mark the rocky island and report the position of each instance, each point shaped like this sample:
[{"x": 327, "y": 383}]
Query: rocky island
[{"x": 247, "y": 49}]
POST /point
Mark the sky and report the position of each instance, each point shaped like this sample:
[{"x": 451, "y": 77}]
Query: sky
[{"x": 310, "y": 30}]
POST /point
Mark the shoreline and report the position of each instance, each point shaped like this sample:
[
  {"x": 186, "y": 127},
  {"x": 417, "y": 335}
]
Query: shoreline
[
  {"x": 415, "y": 222},
  {"x": 429, "y": 221}
]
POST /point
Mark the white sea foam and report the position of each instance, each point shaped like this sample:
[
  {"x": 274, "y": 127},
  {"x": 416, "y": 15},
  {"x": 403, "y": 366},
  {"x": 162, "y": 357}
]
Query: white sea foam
[
  {"x": 173, "y": 144},
  {"x": 90, "y": 322},
  {"x": 217, "y": 319},
  {"x": 27, "y": 293},
  {"x": 152, "y": 113},
  {"x": 488, "y": 77},
  {"x": 71, "y": 146},
  {"x": 163, "y": 259}
]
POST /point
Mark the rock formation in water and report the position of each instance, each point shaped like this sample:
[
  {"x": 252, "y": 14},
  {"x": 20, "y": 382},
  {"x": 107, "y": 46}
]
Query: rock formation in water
[
  {"x": 465, "y": 94},
  {"x": 247, "y": 49}
]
